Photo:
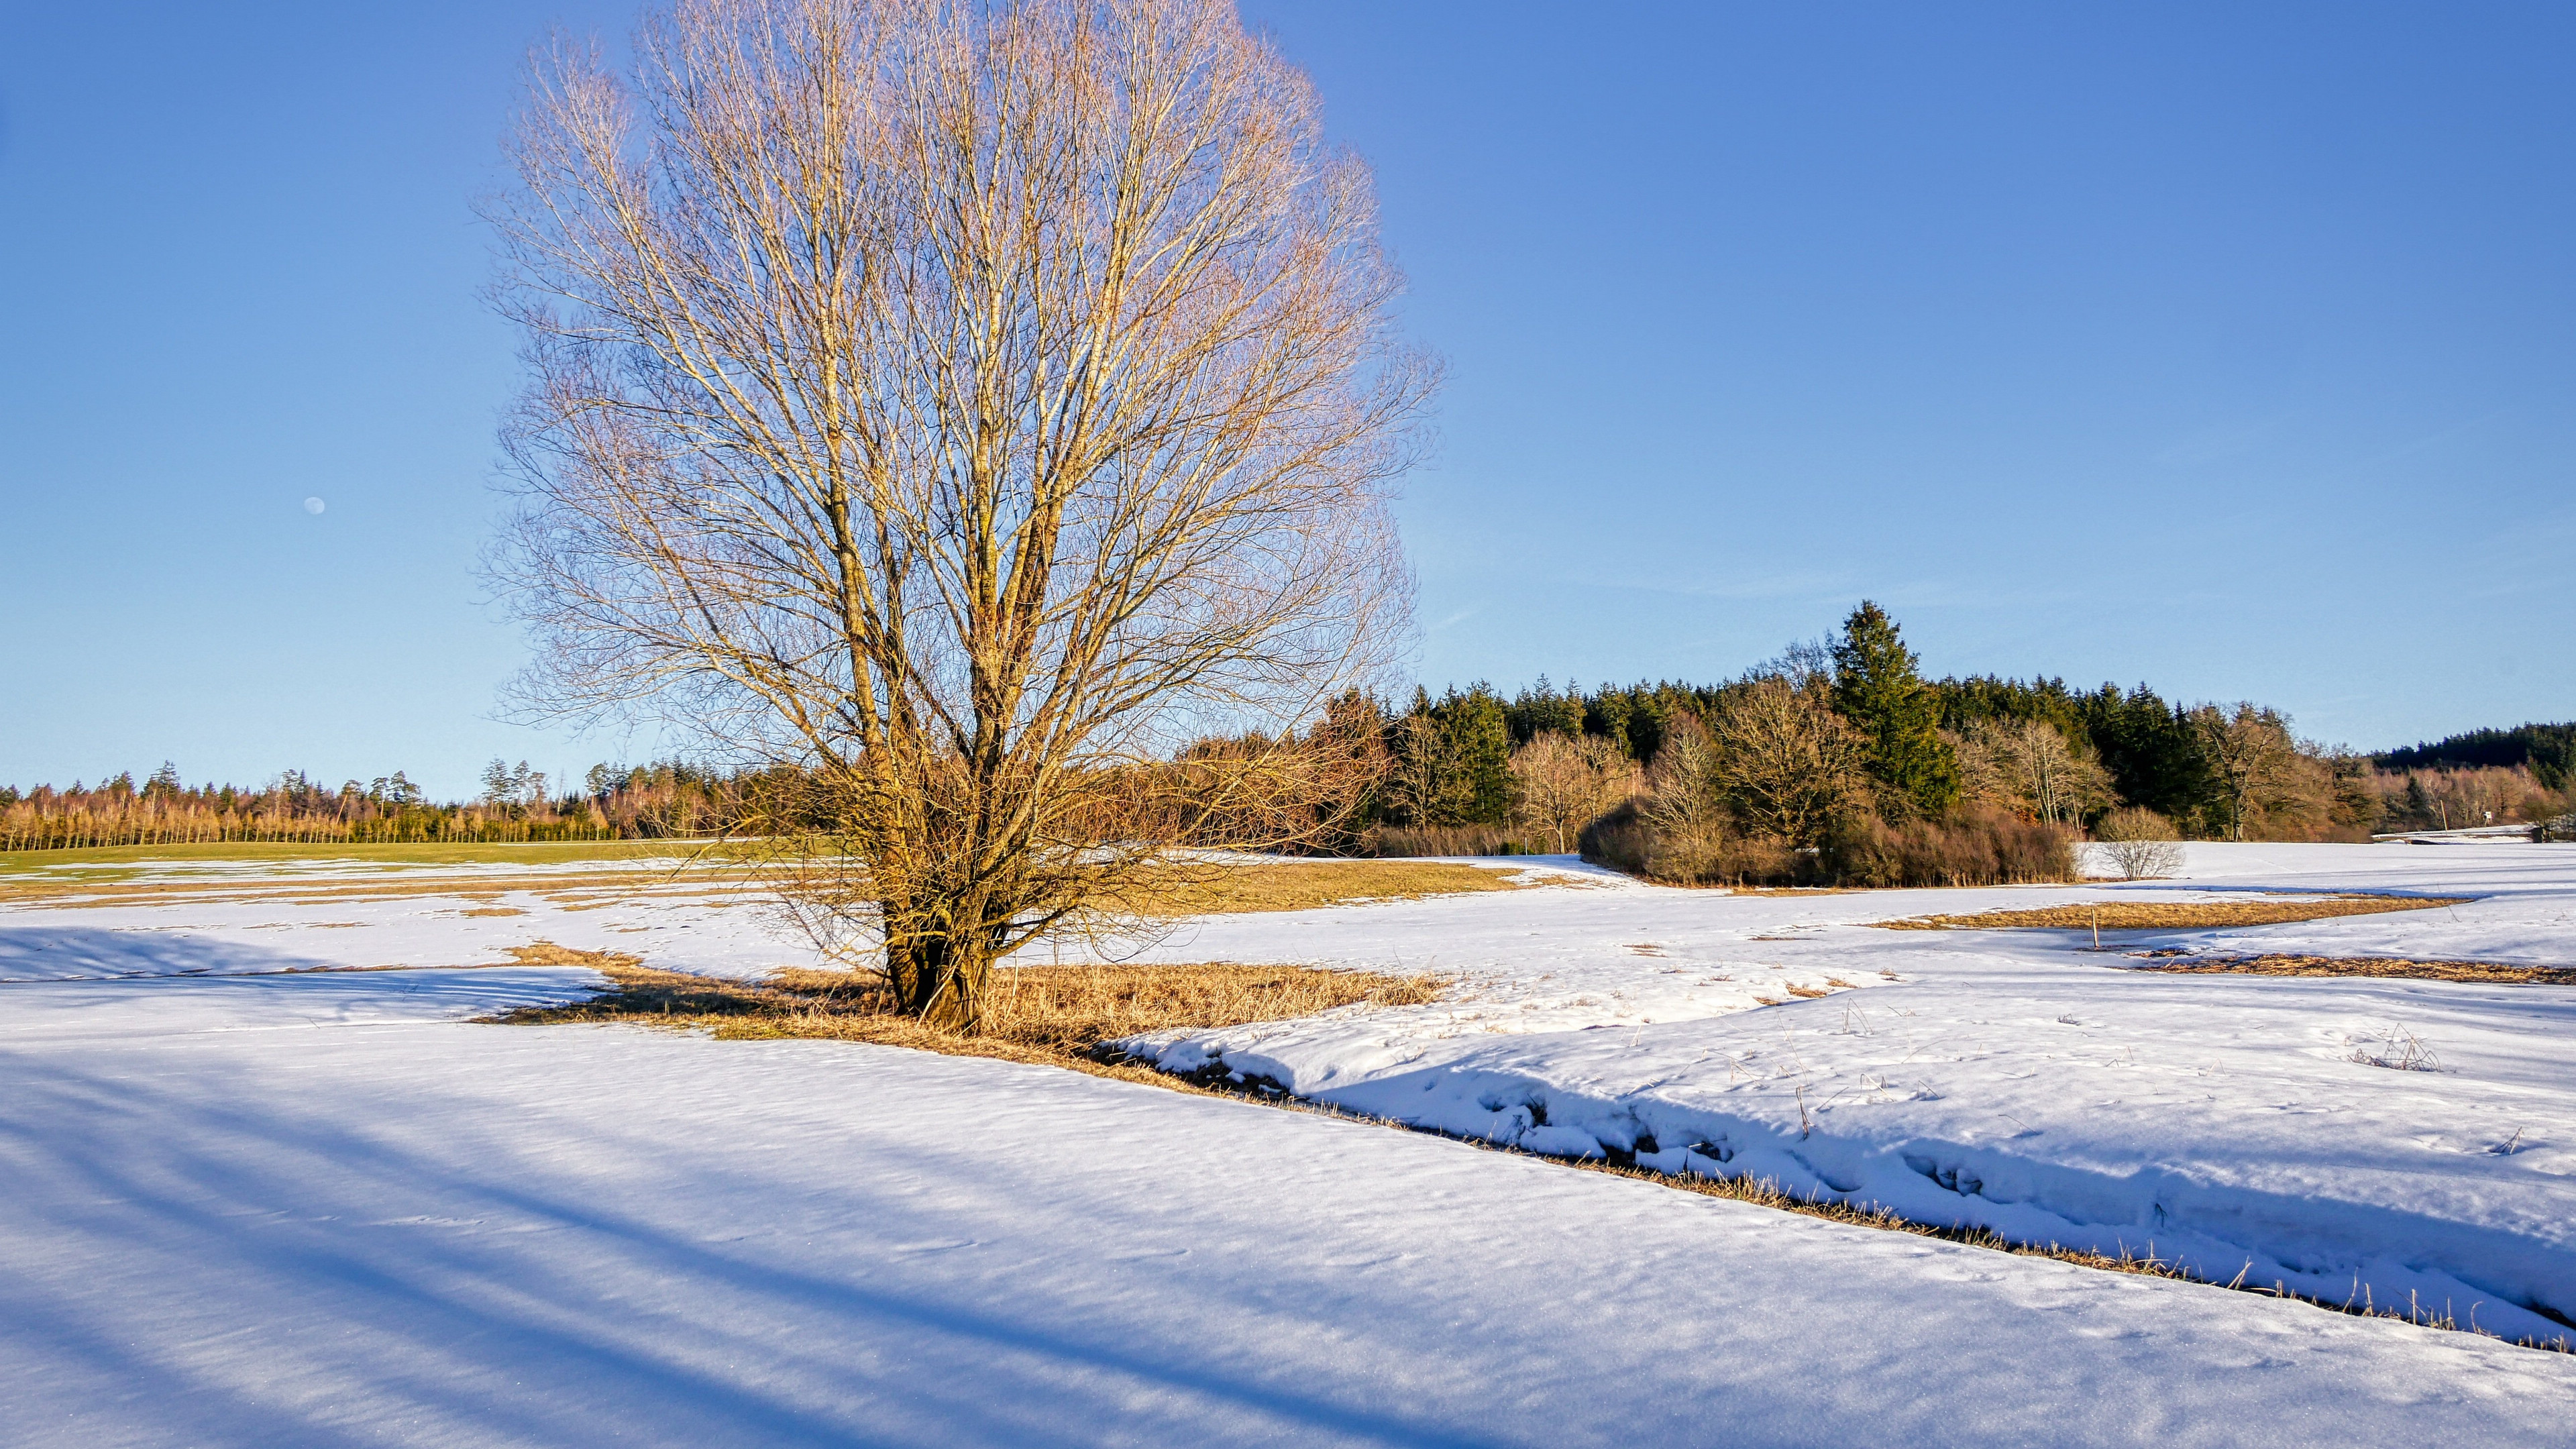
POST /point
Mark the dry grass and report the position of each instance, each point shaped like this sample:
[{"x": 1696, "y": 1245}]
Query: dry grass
[
  {"x": 74, "y": 893},
  {"x": 2175, "y": 915},
  {"x": 1299, "y": 886},
  {"x": 1056, "y": 1014},
  {"x": 2484, "y": 972},
  {"x": 1197, "y": 890},
  {"x": 125, "y": 860}
]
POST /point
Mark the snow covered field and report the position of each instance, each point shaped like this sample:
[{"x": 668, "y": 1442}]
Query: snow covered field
[
  {"x": 2011, "y": 1079},
  {"x": 258, "y": 1208}
]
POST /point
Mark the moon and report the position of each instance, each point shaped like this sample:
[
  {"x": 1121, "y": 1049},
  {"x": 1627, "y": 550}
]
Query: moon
[{"x": 312, "y": 505}]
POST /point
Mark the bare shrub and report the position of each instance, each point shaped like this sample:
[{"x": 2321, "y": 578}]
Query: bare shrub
[
  {"x": 1973, "y": 848},
  {"x": 1619, "y": 838},
  {"x": 1405, "y": 841},
  {"x": 2139, "y": 844}
]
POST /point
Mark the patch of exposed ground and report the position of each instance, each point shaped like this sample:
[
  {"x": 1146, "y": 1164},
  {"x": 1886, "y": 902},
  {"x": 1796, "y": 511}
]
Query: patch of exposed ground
[
  {"x": 1300, "y": 886},
  {"x": 1061, "y": 1015},
  {"x": 2175, "y": 915},
  {"x": 77, "y": 894},
  {"x": 2488, "y": 972},
  {"x": 1215, "y": 888}
]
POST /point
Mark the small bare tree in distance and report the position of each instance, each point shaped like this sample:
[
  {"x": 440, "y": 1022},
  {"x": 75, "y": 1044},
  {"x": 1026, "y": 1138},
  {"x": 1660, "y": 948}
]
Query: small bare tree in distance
[
  {"x": 1564, "y": 780},
  {"x": 960, "y": 407}
]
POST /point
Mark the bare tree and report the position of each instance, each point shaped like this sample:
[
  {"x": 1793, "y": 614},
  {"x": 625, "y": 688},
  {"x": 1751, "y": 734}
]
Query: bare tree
[
  {"x": 2250, "y": 757},
  {"x": 1684, "y": 804},
  {"x": 2028, "y": 766},
  {"x": 963, "y": 406},
  {"x": 1421, "y": 787},
  {"x": 1789, "y": 764},
  {"x": 1564, "y": 780}
]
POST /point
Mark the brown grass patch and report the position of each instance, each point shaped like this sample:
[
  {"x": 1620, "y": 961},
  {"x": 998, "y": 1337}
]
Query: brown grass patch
[
  {"x": 76, "y": 894},
  {"x": 1302, "y": 886},
  {"x": 493, "y": 911},
  {"x": 1061, "y": 1015},
  {"x": 2175, "y": 915},
  {"x": 2488, "y": 972},
  {"x": 1216, "y": 888},
  {"x": 547, "y": 953}
]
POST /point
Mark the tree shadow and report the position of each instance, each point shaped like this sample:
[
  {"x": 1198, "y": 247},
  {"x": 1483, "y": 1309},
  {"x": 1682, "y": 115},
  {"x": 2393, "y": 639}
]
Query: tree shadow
[
  {"x": 91, "y": 953},
  {"x": 302, "y": 1255}
]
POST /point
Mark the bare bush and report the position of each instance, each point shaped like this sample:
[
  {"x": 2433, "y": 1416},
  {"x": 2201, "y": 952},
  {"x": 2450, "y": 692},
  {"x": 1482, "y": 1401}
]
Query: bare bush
[
  {"x": 1975, "y": 847},
  {"x": 2139, "y": 844},
  {"x": 965, "y": 406}
]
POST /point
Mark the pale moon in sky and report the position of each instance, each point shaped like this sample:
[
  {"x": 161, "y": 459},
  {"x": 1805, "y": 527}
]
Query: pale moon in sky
[{"x": 312, "y": 505}]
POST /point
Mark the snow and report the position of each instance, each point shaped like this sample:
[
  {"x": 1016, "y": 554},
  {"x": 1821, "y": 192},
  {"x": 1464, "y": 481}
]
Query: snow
[
  {"x": 247, "y": 918},
  {"x": 314, "y": 1210},
  {"x": 321, "y": 1208},
  {"x": 2010, "y": 1080}
]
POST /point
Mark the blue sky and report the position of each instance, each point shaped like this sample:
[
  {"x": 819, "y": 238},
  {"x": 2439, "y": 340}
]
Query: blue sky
[{"x": 2227, "y": 348}]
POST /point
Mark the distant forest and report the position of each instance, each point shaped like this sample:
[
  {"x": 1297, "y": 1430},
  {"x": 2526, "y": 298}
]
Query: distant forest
[
  {"x": 2547, "y": 750},
  {"x": 669, "y": 799},
  {"x": 1837, "y": 760},
  {"x": 1770, "y": 774}
]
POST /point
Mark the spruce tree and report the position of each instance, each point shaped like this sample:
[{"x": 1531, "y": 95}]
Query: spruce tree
[
  {"x": 1878, "y": 687},
  {"x": 1479, "y": 742}
]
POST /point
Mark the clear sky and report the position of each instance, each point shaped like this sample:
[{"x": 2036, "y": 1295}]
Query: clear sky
[{"x": 2225, "y": 347}]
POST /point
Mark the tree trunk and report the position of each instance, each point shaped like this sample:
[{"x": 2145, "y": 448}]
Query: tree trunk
[{"x": 940, "y": 977}]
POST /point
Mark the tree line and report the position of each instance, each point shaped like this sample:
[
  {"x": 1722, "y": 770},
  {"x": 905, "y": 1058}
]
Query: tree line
[
  {"x": 1829, "y": 758},
  {"x": 615, "y": 802}
]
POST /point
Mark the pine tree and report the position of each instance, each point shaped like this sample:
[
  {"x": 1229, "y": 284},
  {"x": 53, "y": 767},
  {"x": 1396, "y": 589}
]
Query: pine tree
[
  {"x": 1879, "y": 689},
  {"x": 1476, "y": 740}
]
